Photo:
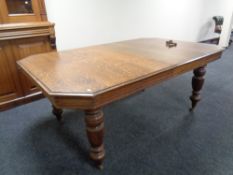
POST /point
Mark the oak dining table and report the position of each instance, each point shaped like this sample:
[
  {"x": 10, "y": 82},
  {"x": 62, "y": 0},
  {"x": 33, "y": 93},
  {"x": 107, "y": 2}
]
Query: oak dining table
[{"x": 92, "y": 77}]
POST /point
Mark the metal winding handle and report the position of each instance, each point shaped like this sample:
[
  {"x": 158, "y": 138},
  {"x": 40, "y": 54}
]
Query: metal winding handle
[{"x": 170, "y": 44}]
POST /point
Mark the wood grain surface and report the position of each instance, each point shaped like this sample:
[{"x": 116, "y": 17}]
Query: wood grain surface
[{"x": 94, "y": 70}]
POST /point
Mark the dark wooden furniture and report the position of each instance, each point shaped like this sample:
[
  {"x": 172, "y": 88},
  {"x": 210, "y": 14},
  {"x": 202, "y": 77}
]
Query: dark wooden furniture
[
  {"x": 218, "y": 23},
  {"x": 211, "y": 41},
  {"x": 24, "y": 31},
  {"x": 219, "y": 20},
  {"x": 92, "y": 77},
  {"x": 15, "y": 11},
  {"x": 17, "y": 41}
]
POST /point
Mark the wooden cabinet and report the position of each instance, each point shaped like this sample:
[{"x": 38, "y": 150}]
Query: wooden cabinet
[
  {"x": 25, "y": 47},
  {"x": 14, "y": 11},
  {"x": 18, "y": 41},
  {"x": 24, "y": 31},
  {"x": 9, "y": 88}
]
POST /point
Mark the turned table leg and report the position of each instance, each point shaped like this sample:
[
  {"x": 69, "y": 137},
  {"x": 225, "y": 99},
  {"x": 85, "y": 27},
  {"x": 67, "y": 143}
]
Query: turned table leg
[
  {"x": 58, "y": 113},
  {"x": 197, "y": 84},
  {"x": 95, "y": 132}
]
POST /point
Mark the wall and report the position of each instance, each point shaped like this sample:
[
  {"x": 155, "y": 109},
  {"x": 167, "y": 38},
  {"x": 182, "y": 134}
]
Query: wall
[
  {"x": 87, "y": 22},
  {"x": 81, "y": 23},
  {"x": 173, "y": 19}
]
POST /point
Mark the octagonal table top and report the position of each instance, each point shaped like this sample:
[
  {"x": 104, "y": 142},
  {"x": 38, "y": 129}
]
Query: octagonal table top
[{"x": 97, "y": 69}]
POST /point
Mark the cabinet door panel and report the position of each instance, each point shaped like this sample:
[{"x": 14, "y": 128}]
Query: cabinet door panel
[
  {"x": 8, "y": 87},
  {"x": 9, "y": 16},
  {"x": 26, "y": 47}
]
